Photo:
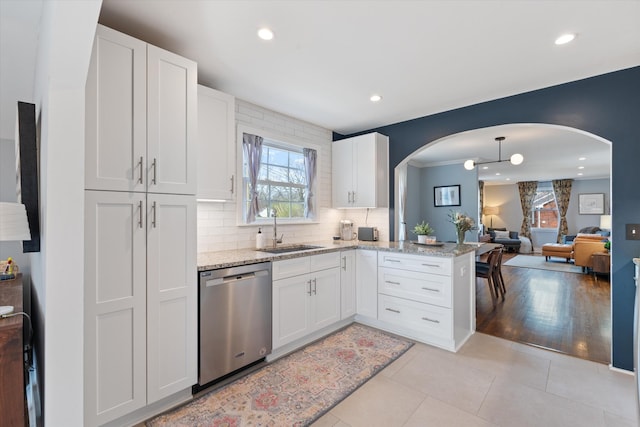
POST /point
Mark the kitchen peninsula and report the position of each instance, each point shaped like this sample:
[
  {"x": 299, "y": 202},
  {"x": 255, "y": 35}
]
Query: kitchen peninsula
[{"x": 426, "y": 293}]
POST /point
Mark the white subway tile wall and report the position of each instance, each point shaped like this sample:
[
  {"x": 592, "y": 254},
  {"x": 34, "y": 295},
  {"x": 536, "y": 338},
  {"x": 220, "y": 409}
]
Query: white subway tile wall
[{"x": 217, "y": 222}]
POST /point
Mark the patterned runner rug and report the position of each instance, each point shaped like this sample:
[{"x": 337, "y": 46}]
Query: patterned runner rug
[{"x": 296, "y": 389}]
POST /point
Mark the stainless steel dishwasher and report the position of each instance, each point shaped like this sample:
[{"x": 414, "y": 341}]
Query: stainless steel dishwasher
[{"x": 235, "y": 319}]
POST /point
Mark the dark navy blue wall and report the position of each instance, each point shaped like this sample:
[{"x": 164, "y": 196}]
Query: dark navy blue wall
[{"x": 607, "y": 106}]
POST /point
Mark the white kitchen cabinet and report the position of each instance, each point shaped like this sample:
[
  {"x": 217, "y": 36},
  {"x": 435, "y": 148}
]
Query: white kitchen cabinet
[
  {"x": 306, "y": 296},
  {"x": 216, "y": 145},
  {"x": 348, "y": 283},
  {"x": 360, "y": 172},
  {"x": 171, "y": 295},
  {"x": 140, "y": 282},
  {"x": 367, "y": 283},
  {"x": 115, "y": 305},
  {"x": 427, "y": 298},
  {"x": 141, "y": 121}
]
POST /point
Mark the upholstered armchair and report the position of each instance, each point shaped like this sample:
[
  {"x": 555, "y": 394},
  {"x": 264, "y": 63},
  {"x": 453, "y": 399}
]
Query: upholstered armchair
[{"x": 584, "y": 245}]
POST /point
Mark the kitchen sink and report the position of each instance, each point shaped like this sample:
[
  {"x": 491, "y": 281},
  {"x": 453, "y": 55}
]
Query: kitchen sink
[{"x": 290, "y": 248}]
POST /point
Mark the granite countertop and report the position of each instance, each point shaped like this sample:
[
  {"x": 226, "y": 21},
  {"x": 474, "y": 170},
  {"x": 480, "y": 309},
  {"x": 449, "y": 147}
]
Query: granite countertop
[{"x": 232, "y": 258}]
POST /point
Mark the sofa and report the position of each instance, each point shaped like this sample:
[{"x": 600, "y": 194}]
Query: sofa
[
  {"x": 585, "y": 245},
  {"x": 508, "y": 239}
]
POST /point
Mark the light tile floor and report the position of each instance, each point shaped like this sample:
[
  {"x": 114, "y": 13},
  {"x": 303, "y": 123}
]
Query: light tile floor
[{"x": 489, "y": 382}]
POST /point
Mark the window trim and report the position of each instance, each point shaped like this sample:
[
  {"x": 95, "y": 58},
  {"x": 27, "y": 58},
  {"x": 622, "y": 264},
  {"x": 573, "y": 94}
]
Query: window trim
[{"x": 287, "y": 142}]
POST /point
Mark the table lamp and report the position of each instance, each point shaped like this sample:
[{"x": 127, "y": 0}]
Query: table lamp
[{"x": 605, "y": 222}]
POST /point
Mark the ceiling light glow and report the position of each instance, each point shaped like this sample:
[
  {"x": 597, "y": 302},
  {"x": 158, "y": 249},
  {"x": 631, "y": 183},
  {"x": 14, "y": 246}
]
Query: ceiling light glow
[
  {"x": 580, "y": 167},
  {"x": 582, "y": 158},
  {"x": 469, "y": 165},
  {"x": 265, "y": 34},
  {"x": 375, "y": 98},
  {"x": 565, "y": 38}
]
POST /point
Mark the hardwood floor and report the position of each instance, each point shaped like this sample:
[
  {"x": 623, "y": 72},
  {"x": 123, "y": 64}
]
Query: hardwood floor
[{"x": 566, "y": 312}]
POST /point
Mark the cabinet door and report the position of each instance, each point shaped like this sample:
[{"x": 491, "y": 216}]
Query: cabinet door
[
  {"x": 325, "y": 298},
  {"x": 291, "y": 311},
  {"x": 342, "y": 162},
  {"x": 371, "y": 182},
  {"x": 216, "y": 145},
  {"x": 348, "y": 283},
  {"x": 172, "y": 285},
  {"x": 115, "y": 113},
  {"x": 171, "y": 122},
  {"x": 367, "y": 283},
  {"x": 114, "y": 305}
]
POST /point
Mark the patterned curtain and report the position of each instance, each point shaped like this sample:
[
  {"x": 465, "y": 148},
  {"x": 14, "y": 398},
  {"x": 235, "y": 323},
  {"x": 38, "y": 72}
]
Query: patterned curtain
[
  {"x": 252, "y": 146},
  {"x": 480, "y": 202},
  {"x": 528, "y": 190},
  {"x": 562, "y": 189}
]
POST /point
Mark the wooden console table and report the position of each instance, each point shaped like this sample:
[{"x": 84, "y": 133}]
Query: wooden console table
[
  {"x": 601, "y": 262},
  {"x": 12, "y": 392}
]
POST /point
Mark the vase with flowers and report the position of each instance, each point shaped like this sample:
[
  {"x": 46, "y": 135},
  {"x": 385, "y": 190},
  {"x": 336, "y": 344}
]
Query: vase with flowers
[{"x": 463, "y": 223}]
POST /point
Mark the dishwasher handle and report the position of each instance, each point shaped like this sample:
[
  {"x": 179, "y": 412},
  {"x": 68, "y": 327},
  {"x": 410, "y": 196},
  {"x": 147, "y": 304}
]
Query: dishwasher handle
[{"x": 235, "y": 278}]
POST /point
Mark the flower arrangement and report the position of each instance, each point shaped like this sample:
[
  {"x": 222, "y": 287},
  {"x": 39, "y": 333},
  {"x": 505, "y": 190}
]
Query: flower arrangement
[{"x": 463, "y": 223}]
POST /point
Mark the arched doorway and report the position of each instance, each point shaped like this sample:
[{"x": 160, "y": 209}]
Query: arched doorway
[{"x": 551, "y": 152}]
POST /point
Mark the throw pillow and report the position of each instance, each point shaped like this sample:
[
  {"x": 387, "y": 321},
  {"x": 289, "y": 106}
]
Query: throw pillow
[
  {"x": 502, "y": 234},
  {"x": 513, "y": 235}
]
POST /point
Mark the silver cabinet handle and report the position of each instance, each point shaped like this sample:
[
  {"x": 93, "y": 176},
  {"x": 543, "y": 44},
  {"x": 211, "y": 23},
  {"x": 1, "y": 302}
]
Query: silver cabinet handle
[
  {"x": 153, "y": 222},
  {"x": 349, "y": 197},
  {"x": 315, "y": 287},
  {"x": 154, "y": 165},
  {"x": 430, "y": 320},
  {"x": 141, "y": 170},
  {"x": 344, "y": 263},
  {"x": 353, "y": 199},
  {"x": 393, "y": 310},
  {"x": 140, "y": 214},
  {"x": 392, "y": 260},
  {"x": 431, "y": 289},
  {"x": 391, "y": 283},
  {"x": 231, "y": 184},
  {"x": 431, "y": 265},
  {"x": 309, "y": 291}
]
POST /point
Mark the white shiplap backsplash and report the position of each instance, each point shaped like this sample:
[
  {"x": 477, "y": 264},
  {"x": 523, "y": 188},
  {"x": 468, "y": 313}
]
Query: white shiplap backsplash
[{"x": 217, "y": 223}]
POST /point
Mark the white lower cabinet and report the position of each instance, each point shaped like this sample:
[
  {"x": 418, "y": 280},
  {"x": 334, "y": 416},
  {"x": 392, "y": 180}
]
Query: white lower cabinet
[
  {"x": 367, "y": 283},
  {"x": 306, "y": 296},
  {"x": 348, "y": 283},
  {"x": 427, "y": 298},
  {"x": 140, "y": 300}
]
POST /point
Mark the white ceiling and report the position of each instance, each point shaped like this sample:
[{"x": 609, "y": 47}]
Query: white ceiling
[{"x": 328, "y": 57}]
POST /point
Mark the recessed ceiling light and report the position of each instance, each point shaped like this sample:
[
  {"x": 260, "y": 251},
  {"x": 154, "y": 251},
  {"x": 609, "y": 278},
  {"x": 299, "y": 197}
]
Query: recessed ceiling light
[
  {"x": 375, "y": 98},
  {"x": 580, "y": 167},
  {"x": 485, "y": 167},
  {"x": 497, "y": 173},
  {"x": 565, "y": 38},
  {"x": 582, "y": 158},
  {"x": 265, "y": 34},
  {"x": 580, "y": 174},
  {"x": 508, "y": 179}
]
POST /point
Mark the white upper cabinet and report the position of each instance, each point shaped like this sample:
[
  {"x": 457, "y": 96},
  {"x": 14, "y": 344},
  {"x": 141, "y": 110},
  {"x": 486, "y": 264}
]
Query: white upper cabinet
[
  {"x": 141, "y": 117},
  {"x": 360, "y": 171},
  {"x": 216, "y": 145}
]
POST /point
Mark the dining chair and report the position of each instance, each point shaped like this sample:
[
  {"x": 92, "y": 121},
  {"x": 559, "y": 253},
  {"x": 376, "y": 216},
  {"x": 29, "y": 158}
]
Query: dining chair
[
  {"x": 499, "y": 280},
  {"x": 486, "y": 270}
]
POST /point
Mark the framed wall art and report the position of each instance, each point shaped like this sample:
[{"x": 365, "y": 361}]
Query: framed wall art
[
  {"x": 591, "y": 204},
  {"x": 446, "y": 196}
]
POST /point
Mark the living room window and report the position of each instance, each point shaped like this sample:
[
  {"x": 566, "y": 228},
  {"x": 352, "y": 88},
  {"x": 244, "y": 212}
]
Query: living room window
[{"x": 544, "y": 213}]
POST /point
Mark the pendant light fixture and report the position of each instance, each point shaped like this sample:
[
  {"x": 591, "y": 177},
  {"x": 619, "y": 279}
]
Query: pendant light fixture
[{"x": 515, "y": 159}]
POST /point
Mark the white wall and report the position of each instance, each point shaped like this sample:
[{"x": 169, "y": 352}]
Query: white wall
[
  {"x": 217, "y": 222},
  {"x": 68, "y": 28}
]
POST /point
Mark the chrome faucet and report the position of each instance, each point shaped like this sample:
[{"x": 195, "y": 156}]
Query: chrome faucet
[{"x": 275, "y": 230}]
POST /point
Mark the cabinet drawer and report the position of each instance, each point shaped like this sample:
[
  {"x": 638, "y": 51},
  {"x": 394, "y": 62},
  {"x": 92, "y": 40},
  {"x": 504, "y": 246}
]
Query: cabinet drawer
[
  {"x": 424, "y": 319},
  {"x": 324, "y": 261},
  {"x": 290, "y": 267},
  {"x": 426, "y": 264},
  {"x": 422, "y": 287}
]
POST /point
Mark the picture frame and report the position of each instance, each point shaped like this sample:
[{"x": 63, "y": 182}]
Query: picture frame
[
  {"x": 447, "y": 195},
  {"x": 591, "y": 204}
]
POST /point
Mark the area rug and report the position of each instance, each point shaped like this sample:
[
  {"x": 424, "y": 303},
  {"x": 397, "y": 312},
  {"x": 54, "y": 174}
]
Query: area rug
[
  {"x": 538, "y": 262},
  {"x": 297, "y": 389}
]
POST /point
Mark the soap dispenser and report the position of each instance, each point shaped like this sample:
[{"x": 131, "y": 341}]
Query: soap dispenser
[{"x": 259, "y": 239}]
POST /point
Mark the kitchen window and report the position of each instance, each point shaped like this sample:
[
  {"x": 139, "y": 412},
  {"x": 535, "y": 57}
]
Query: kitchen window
[{"x": 282, "y": 180}]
